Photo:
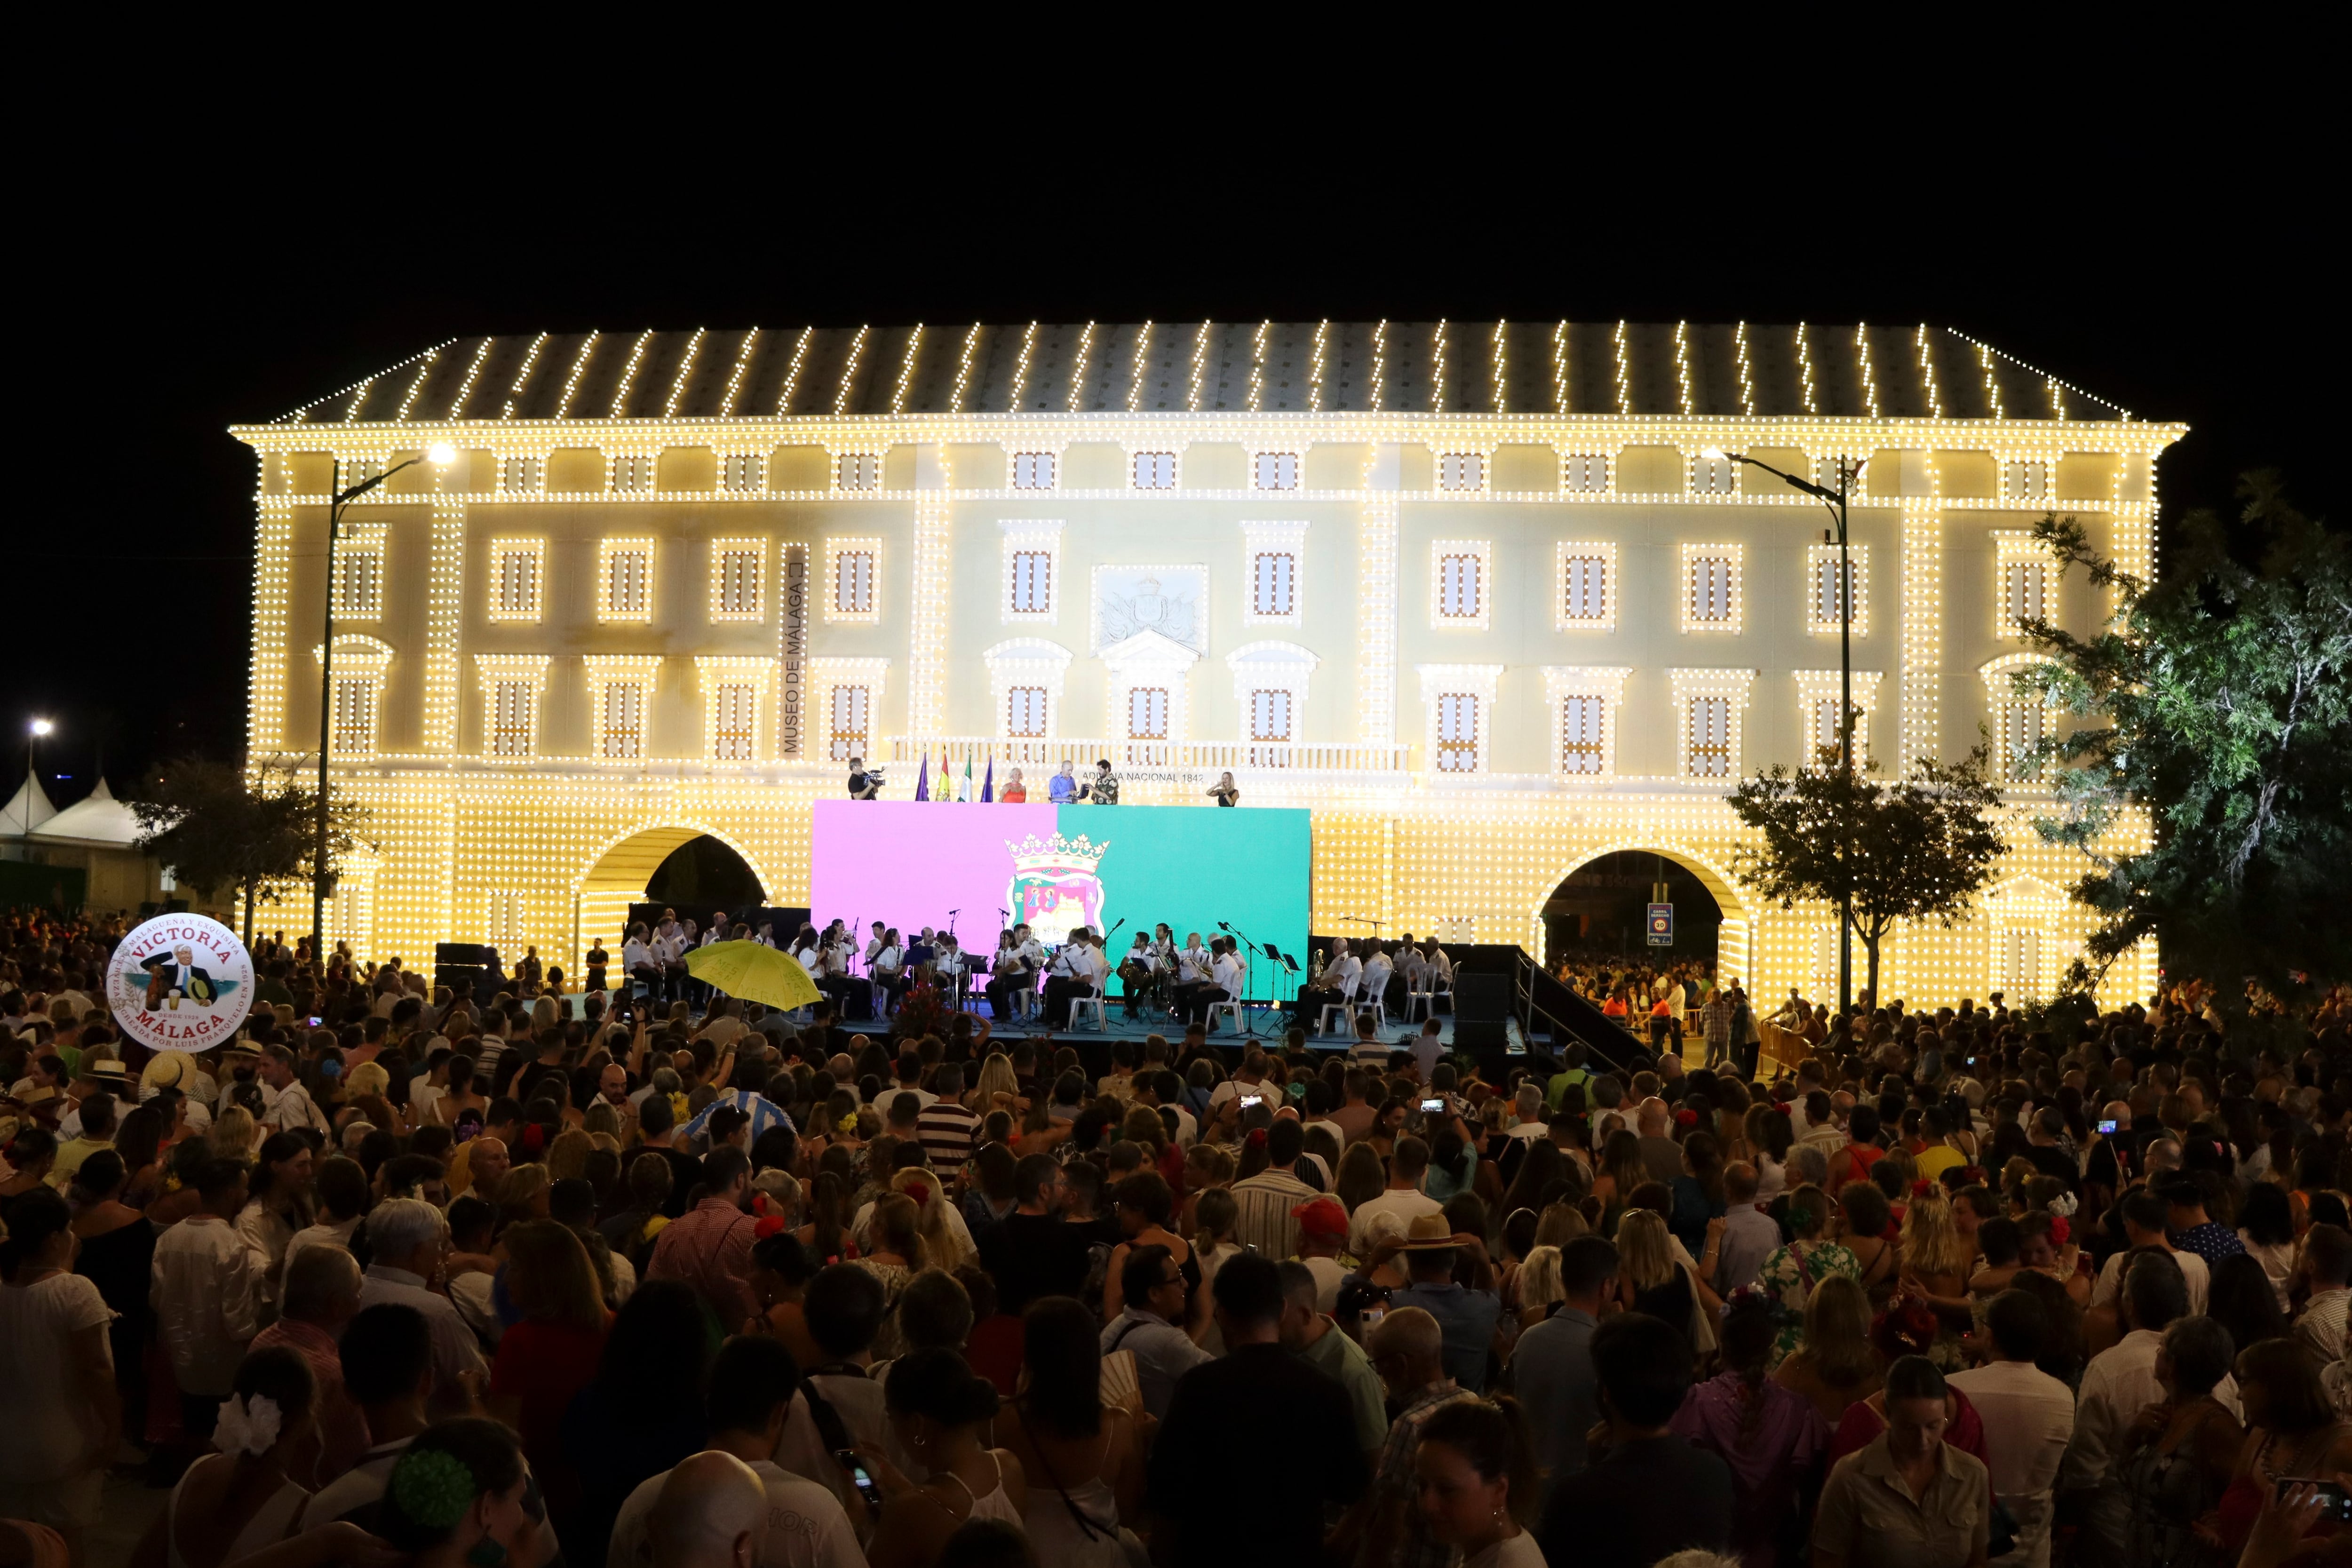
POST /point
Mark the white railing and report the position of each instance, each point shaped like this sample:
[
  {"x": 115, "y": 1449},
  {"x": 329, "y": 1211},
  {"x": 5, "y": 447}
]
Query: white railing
[{"x": 1197, "y": 756}]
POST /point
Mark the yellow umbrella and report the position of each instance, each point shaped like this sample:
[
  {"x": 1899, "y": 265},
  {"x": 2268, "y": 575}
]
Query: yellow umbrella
[{"x": 753, "y": 973}]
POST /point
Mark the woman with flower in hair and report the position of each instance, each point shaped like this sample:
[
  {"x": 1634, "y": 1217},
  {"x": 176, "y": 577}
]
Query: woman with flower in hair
[
  {"x": 233, "y": 1504},
  {"x": 1790, "y": 1273},
  {"x": 456, "y": 1497}
]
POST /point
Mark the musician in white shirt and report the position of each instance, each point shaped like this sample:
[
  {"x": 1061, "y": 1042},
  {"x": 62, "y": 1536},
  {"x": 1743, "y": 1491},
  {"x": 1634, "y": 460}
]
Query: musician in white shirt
[
  {"x": 638, "y": 960},
  {"x": 1195, "y": 973},
  {"x": 1013, "y": 974},
  {"x": 1225, "y": 972},
  {"x": 1336, "y": 985},
  {"x": 1377, "y": 970},
  {"x": 1139, "y": 970},
  {"x": 885, "y": 965}
]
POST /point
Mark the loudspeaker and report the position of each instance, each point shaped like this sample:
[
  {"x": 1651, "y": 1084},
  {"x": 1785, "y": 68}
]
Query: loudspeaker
[
  {"x": 444, "y": 952},
  {"x": 1480, "y": 999}
]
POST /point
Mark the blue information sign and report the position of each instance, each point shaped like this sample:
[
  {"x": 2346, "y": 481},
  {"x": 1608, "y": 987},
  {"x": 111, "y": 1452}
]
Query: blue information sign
[{"x": 1662, "y": 925}]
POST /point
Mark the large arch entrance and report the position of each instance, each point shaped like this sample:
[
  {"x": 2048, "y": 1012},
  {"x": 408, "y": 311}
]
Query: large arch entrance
[
  {"x": 1596, "y": 910},
  {"x": 684, "y": 864}
]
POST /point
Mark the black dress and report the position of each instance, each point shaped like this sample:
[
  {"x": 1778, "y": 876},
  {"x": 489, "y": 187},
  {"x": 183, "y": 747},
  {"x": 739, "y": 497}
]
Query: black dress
[
  {"x": 121, "y": 1263},
  {"x": 1672, "y": 1302}
]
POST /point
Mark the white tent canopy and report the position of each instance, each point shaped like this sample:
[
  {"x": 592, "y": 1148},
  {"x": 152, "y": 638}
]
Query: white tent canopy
[
  {"x": 27, "y": 809},
  {"x": 97, "y": 818}
]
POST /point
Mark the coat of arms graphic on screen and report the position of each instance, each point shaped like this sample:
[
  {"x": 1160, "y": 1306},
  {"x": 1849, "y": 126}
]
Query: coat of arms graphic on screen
[{"x": 1055, "y": 889}]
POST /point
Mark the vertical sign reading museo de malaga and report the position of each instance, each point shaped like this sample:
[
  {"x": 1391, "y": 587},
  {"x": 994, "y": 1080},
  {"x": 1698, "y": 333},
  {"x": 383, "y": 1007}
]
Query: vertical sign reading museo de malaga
[{"x": 795, "y": 649}]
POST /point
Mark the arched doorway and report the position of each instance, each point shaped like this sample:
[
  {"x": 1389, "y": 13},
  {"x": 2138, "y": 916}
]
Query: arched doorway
[
  {"x": 1599, "y": 912},
  {"x": 690, "y": 863},
  {"x": 705, "y": 873}
]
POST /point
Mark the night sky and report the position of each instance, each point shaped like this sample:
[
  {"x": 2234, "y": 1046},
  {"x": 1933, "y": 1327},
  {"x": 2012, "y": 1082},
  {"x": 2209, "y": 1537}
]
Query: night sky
[{"x": 2196, "y": 289}]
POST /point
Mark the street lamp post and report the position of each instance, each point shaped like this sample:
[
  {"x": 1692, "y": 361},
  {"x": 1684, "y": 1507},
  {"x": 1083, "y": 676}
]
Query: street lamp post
[
  {"x": 39, "y": 729},
  {"x": 1835, "y": 500},
  {"x": 442, "y": 455}
]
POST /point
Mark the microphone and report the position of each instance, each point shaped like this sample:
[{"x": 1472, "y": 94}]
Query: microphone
[{"x": 1223, "y": 926}]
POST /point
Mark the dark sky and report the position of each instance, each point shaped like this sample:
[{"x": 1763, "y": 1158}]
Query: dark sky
[{"x": 2177, "y": 269}]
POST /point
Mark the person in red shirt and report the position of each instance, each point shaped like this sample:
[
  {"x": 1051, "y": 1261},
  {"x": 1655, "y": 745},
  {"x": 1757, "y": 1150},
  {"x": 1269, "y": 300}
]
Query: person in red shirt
[
  {"x": 1853, "y": 1162},
  {"x": 551, "y": 1354}
]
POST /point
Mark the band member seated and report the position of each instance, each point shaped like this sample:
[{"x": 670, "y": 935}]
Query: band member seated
[
  {"x": 1137, "y": 970},
  {"x": 1224, "y": 985},
  {"x": 1077, "y": 970},
  {"x": 887, "y": 970},
  {"x": 1335, "y": 985}
]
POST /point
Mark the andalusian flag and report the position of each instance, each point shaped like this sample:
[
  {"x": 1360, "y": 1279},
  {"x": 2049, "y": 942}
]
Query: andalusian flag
[{"x": 964, "y": 794}]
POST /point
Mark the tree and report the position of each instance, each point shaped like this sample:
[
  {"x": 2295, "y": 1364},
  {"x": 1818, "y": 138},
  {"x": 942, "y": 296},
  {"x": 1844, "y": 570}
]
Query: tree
[
  {"x": 2216, "y": 701},
  {"x": 1922, "y": 846},
  {"x": 216, "y": 826}
]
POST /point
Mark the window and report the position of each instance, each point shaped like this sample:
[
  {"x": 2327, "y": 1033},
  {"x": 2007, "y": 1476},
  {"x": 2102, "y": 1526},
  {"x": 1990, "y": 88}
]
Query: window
[
  {"x": 633, "y": 471},
  {"x": 628, "y": 581},
  {"x": 735, "y": 572},
  {"x": 2021, "y": 724},
  {"x": 1714, "y": 476},
  {"x": 1147, "y": 713},
  {"x": 2017, "y": 964},
  {"x": 1827, "y": 471},
  {"x": 621, "y": 721},
  {"x": 1155, "y": 470},
  {"x": 1827, "y": 731},
  {"x": 1583, "y": 735},
  {"x": 859, "y": 471},
  {"x": 1711, "y": 588},
  {"x": 1820, "y": 705},
  {"x": 1462, "y": 472},
  {"x": 1457, "y": 733},
  {"x": 1273, "y": 583},
  {"x": 503, "y": 922},
  {"x": 1269, "y": 715},
  {"x": 853, "y": 582},
  {"x": 847, "y": 720},
  {"x": 2026, "y": 480},
  {"x": 519, "y": 475},
  {"x": 1277, "y": 471},
  {"x": 1460, "y": 587},
  {"x": 514, "y": 579},
  {"x": 1032, "y": 470},
  {"x": 511, "y": 706},
  {"x": 357, "y": 471},
  {"x": 1033, "y": 582},
  {"x": 1584, "y": 588},
  {"x": 1024, "y": 711},
  {"x": 1707, "y": 741},
  {"x": 1823, "y": 600},
  {"x": 739, "y": 471},
  {"x": 1585, "y": 473},
  {"x": 354, "y": 717},
  {"x": 2024, "y": 593},
  {"x": 734, "y": 717},
  {"x": 359, "y": 582}
]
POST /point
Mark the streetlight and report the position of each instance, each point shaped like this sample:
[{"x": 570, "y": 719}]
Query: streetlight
[
  {"x": 442, "y": 454},
  {"x": 40, "y": 727},
  {"x": 1835, "y": 500}
]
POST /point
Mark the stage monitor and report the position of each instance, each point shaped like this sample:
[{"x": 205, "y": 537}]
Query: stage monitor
[{"x": 908, "y": 863}]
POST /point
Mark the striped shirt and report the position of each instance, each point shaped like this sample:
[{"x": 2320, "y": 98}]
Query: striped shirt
[
  {"x": 1262, "y": 1207},
  {"x": 948, "y": 1132}
]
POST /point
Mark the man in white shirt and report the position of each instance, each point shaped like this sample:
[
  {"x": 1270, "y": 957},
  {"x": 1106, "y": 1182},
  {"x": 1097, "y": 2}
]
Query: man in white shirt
[
  {"x": 206, "y": 1292},
  {"x": 1226, "y": 981},
  {"x": 292, "y": 1107},
  {"x": 1374, "y": 987},
  {"x": 2121, "y": 1380},
  {"x": 1341, "y": 972},
  {"x": 1527, "y": 1113},
  {"x": 2327, "y": 1266},
  {"x": 1403, "y": 1197},
  {"x": 752, "y": 1385},
  {"x": 2143, "y": 1215},
  {"x": 1249, "y": 1080},
  {"x": 2029, "y": 1417},
  {"x": 408, "y": 1239}
]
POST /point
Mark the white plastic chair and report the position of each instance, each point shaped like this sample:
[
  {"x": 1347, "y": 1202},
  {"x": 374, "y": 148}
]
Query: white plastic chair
[
  {"x": 1093, "y": 1003},
  {"x": 1231, "y": 1009}
]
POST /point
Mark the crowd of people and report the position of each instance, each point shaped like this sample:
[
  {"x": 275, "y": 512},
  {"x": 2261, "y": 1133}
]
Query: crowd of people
[{"x": 446, "y": 1283}]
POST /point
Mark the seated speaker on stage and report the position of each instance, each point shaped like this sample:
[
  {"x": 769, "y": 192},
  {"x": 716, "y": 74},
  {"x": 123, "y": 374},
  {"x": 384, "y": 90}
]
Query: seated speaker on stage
[{"x": 1341, "y": 973}]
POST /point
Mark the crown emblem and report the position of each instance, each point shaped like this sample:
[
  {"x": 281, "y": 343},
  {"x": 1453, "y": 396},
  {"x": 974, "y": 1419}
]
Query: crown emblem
[{"x": 1056, "y": 857}]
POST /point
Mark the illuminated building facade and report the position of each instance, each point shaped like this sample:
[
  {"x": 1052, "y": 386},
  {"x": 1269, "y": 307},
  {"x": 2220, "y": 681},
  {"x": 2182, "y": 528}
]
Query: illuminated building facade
[{"x": 1473, "y": 592}]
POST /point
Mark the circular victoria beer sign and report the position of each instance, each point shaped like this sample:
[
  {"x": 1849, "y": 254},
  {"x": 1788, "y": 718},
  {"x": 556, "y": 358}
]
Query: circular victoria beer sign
[{"x": 180, "y": 983}]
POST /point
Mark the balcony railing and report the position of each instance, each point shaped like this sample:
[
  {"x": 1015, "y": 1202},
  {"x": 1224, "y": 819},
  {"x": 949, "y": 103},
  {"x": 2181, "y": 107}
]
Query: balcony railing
[{"x": 1175, "y": 757}]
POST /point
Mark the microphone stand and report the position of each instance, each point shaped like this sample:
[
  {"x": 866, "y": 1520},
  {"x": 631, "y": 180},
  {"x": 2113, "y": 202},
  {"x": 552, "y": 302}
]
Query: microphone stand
[{"x": 955, "y": 988}]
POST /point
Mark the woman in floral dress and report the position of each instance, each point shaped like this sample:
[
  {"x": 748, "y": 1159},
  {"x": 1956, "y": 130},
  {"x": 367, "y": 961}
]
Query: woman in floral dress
[{"x": 1790, "y": 1273}]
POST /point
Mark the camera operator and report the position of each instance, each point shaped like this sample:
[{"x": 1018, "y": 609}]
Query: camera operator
[{"x": 863, "y": 785}]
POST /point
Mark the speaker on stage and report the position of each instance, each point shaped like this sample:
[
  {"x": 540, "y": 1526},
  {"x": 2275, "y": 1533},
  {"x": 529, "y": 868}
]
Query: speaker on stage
[{"x": 1480, "y": 999}]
